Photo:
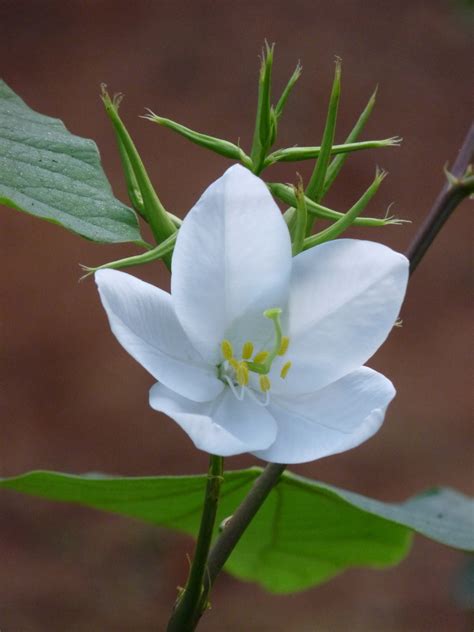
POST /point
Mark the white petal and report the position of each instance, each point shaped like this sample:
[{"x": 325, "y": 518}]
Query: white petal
[
  {"x": 225, "y": 426},
  {"x": 144, "y": 322},
  {"x": 345, "y": 297},
  {"x": 231, "y": 262},
  {"x": 334, "y": 419}
]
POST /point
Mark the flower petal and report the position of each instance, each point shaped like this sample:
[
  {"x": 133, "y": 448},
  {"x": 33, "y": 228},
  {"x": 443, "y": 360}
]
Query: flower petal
[
  {"x": 144, "y": 322},
  {"x": 231, "y": 262},
  {"x": 224, "y": 427},
  {"x": 345, "y": 296},
  {"x": 334, "y": 419}
]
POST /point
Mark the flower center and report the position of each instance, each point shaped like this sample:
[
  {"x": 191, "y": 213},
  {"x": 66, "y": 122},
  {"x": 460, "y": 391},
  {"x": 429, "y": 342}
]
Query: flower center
[{"x": 235, "y": 370}]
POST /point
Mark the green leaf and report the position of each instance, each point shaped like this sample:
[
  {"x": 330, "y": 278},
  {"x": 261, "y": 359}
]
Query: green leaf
[
  {"x": 50, "y": 173},
  {"x": 305, "y": 533}
]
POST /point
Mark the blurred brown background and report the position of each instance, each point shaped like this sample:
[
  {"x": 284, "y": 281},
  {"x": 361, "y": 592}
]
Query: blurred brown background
[{"x": 72, "y": 400}]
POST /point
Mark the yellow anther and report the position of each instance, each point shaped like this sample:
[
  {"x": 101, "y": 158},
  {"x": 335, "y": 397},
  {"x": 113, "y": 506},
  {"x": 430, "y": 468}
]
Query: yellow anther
[
  {"x": 285, "y": 341},
  {"x": 265, "y": 384},
  {"x": 284, "y": 370},
  {"x": 260, "y": 357},
  {"x": 227, "y": 351},
  {"x": 234, "y": 364},
  {"x": 247, "y": 350},
  {"x": 243, "y": 374}
]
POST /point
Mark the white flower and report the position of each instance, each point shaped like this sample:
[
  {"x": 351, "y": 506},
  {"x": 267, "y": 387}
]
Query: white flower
[{"x": 217, "y": 343}]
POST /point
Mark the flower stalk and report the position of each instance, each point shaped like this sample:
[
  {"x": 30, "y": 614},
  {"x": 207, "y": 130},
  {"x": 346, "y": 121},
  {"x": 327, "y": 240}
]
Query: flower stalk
[
  {"x": 192, "y": 601},
  {"x": 236, "y": 525}
]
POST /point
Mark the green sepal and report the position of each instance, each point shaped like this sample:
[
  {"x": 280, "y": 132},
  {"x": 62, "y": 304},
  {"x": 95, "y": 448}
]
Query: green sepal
[
  {"x": 316, "y": 182},
  {"x": 294, "y": 154},
  {"x": 336, "y": 229},
  {"x": 286, "y": 194},
  {"x": 159, "y": 252},
  {"x": 217, "y": 145},
  {"x": 277, "y": 111},
  {"x": 299, "y": 231},
  {"x": 133, "y": 190},
  {"x": 280, "y": 106},
  {"x": 336, "y": 164},
  {"x": 273, "y": 131},
  {"x": 152, "y": 208},
  {"x": 264, "y": 130}
]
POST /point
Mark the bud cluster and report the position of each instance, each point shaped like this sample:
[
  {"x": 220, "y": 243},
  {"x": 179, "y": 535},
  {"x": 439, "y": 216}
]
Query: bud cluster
[{"x": 304, "y": 202}]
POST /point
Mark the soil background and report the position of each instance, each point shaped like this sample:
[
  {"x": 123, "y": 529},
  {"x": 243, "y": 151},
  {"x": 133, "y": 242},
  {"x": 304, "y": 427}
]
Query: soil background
[{"x": 73, "y": 400}]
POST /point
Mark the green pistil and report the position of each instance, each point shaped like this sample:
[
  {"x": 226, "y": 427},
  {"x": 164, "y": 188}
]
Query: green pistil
[{"x": 263, "y": 368}]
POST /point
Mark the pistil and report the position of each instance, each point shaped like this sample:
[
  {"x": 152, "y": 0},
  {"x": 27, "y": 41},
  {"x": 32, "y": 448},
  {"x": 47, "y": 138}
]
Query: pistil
[{"x": 262, "y": 364}]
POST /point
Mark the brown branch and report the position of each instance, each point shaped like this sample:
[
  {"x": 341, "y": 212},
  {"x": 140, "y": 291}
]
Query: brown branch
[{"x": 448, "y": 199}]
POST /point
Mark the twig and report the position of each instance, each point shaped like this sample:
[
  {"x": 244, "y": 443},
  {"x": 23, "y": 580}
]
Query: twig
[
  {"x": 242, "y": 518},
  {"x": 448, "y": 199}
]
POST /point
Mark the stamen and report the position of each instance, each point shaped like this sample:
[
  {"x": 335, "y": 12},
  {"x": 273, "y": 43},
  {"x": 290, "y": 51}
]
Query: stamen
[
  {"x": 265, "y": 384},
  {"x": 285, "y": 341},
  {"x": 242, "y": 374},
  {"x": 247, "y": 350},
  {"x": 284, "y": 371},
  {"x": 227, "y": 350},
  {"x": 257, "y": 400},
  {"x": 240, "y": 395},
  {"x": 233, "y": 363},
  {"x": 260, "y": 357}
]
